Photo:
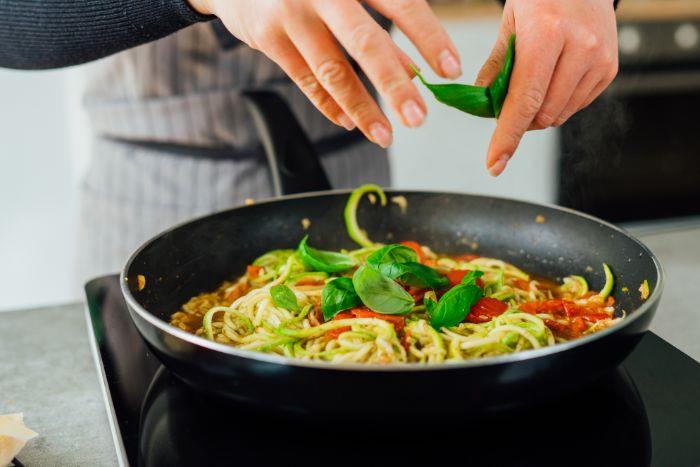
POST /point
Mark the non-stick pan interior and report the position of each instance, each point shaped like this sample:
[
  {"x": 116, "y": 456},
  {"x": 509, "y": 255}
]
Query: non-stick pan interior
[{"x": 546, "y": 241}]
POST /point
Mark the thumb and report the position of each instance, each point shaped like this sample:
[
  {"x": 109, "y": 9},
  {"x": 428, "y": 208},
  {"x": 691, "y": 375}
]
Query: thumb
[{"x": 494, "y": 63}]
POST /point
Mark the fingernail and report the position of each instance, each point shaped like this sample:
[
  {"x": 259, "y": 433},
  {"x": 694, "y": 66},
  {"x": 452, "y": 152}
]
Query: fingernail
[
  {"x": 380, "y": 134},
  {"x": 347, "y": 123},
  {"x": 497, "y": 168},
  {"x": 449, "y": 64},
  {"x": 413, "y": 115}
]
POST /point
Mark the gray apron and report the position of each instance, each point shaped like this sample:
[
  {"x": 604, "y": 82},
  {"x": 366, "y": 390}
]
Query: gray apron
[{"x": 173, "y": 140}]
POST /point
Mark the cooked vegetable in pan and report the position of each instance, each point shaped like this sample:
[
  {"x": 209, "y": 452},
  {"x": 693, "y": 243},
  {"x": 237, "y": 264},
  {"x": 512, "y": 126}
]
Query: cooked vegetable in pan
[{"x": 393, "y": 303}]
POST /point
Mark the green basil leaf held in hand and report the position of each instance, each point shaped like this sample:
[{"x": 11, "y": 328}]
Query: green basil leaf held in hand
[
  {"x": 381, "y": 294},
  {"x": 474, "y": 100},
  {"x": 338, "y": 295},
  {"x": 480, "y": 101},
  {"x": 456, "y": 304},
  {"x": 499, "y": 87},
  {"x": 283, "y": 297},
  {"x": 320, "y": 260}
]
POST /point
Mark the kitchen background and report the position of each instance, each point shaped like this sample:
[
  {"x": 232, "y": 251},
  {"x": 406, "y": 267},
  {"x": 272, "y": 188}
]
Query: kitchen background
[{"x": 627, "y": 158}]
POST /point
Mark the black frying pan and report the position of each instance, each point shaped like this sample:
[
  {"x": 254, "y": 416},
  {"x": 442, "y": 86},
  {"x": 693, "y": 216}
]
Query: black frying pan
[{"x": 197, "y": 256}]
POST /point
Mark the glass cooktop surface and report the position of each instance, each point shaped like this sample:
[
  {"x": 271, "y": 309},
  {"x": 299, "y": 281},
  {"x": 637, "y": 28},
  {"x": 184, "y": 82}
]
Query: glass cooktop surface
[{"x": 646, "y": 412}]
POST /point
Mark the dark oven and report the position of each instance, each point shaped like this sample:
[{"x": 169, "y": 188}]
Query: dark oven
[{"x": 635, "y": 154}]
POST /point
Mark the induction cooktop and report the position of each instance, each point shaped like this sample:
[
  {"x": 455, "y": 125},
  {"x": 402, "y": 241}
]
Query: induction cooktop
[{"x": 646, "y": 412}]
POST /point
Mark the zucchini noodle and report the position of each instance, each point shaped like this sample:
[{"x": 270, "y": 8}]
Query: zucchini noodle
[{"x": 350, "y": 214}]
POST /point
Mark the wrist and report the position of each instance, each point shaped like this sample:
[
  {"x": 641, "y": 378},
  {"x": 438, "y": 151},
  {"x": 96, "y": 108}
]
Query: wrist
[{"x": 203, "y": 7}]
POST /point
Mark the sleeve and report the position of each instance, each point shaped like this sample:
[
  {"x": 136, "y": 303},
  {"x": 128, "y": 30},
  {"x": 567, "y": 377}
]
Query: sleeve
[{"x": 42, "y": 34}]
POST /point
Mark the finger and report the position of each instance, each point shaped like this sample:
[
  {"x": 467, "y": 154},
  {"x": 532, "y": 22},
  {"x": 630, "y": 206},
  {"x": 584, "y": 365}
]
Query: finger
[
  {"x": 493, "y": 64},
  {"x": 589, "y": 82},
  {"x": 336, "y": 75},
  {"x": 371, "y": 47},
  {"x": 290, "y": 60},
  {"x": 536, "y": 59},
  {"x": 566, "y": 79},
  {"x": 591, "y": 86},
  {"x": 597, "y": 91},
  {"x": 600, "y": 87},
  {"x": 417, "y": 20},
  {"x": 405, "y": 60}
]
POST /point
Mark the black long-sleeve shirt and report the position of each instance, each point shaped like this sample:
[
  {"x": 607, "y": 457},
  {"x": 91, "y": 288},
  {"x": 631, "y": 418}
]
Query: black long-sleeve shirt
[{"x": 40, "y": 34}]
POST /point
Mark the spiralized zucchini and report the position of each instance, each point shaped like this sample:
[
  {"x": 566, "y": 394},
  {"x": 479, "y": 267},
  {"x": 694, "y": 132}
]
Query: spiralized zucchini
[{"x": 253, "y": 322}]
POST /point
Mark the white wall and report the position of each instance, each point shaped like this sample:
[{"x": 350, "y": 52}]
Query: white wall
[
  {"x": 44, "y": 139},
  {"x": 40, "y": 142},
  {"x": 449, "y": 151}
]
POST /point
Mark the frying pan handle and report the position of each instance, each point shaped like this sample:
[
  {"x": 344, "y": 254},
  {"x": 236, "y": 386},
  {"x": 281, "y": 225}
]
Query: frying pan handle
[{"x": 294, "y": 164}]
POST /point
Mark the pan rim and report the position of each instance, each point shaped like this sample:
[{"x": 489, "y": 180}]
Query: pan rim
[{"x": 531, "y": 354}]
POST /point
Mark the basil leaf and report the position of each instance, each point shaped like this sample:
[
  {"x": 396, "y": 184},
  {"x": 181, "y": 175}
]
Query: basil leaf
[
  {"x": 471, "y": 277},
  {"x": 283, "y": 297},
  {"x": 338, "y": 295},
  {"x": 420, "y": 275},
  {"x": 388, "y": 260},
  {"x": 320, "y": 260},
  {"x": 475, "y": 100},
  {"x": 381, "y": 294},
  {"x": 454, "y": 306},
  {"x": 392, "y": 254},
  {"x": 401, "y": 262},
  {"x": 499, "y": 87}
]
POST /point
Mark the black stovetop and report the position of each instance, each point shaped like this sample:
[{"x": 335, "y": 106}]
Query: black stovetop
[{"x": 647, "y": 412}]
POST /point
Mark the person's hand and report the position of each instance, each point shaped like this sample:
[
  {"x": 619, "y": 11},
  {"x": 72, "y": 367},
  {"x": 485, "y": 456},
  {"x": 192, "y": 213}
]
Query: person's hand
[
  {"x": 565, "y": 56},
  {"x": 306, "y": 39}
]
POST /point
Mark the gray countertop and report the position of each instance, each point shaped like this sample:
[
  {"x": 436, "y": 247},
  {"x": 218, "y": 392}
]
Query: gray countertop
[
  {"x": 47, "y": 370},
  {"x": 678, "y": 317}
]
